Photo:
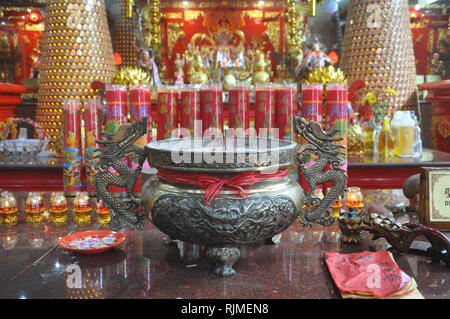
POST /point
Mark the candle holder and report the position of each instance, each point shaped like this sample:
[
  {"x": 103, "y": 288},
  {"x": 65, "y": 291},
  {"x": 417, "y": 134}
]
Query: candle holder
[
  {"x": 8, "y": 209},
  {"x": 82, "y": 209},
  {"x": 103, "y": 214},
  {"x": 58, "y": 208},
  {"x": 355, "y": 198},
  {"x": 35, "y": 208},
  {"x": 350, "y": 225},
  {"x": 336, "y": 210}
]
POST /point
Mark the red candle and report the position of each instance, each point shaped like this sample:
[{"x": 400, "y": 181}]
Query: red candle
[
  {"x": 265, "y": 109},
  {"x": 238, "y": 107},
  {"x": 336, "y": 115},
  {"x": 212, "y": 109},
  {"x": 167, "y": 112},
  {"x": 312, "y": 102},
  {"x": 286, "y": 105},
  {"x": 116, "y": 107},
  {"x": 190, "y": 108},
  {"x": 140, "y": 106},
  {"x": 91, "y": 117},
  {"x": 72, "y": 148}
]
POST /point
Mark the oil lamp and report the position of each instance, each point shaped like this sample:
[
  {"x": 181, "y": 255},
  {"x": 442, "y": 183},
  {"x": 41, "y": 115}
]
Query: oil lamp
[
  {"x": 336, "y": 209},
  {"x": 355, "y": 198},
  {"x": 8, "y": 209},
  {"x": 35, "y": 208},
  {"x": 103, "y": 213},
  {"x": 82, "y": 209},
  {"x": 58, "y": 208}
]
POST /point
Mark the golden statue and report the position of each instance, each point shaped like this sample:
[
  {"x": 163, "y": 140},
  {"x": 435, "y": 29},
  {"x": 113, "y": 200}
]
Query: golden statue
[
  {"x": 261, "y": 76},
  {"x": 188, "y": 56}
]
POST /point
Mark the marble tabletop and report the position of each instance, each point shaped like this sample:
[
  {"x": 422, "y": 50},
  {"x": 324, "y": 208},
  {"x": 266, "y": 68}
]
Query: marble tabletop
[{"x": 144, "y": 266}]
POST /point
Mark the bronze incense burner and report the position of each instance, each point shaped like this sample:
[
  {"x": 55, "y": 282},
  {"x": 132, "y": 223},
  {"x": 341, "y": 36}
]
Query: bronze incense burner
[{"x": 253, "y": 200}]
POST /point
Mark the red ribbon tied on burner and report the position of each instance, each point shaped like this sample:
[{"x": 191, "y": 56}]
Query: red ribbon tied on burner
[{"x": 214, "y": 184}]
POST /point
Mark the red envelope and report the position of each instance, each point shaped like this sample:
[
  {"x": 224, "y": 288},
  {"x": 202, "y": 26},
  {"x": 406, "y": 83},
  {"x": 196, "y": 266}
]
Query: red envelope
[{"x": 367, "y": 273}]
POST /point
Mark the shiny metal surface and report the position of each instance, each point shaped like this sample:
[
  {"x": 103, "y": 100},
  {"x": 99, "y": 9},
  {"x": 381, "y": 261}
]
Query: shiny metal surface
[
  {"x": 144, "y": 267},
  {"x": 217, "y": 156}
]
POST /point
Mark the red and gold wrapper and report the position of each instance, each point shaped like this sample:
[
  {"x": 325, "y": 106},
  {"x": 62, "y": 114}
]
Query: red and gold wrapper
[
  {"x": 336, "y": 114},
  {"x": 286, "y": 106},
  {"x": 92, "y": 127},
  {"x": 140, "y": 106},
  {"x": 116, "y": 114},
  {"x": 190, "y": 110},
  {"x": 265, "y": 109},
  {"x": 73, "y": 162},
  {"x": 211, "y": 109},
  {"x": 312, "y": 102},
  {"x": 167, "y": 112},
  {"x": 238, "y": 108},
  {"x": 116, "y": 107}
]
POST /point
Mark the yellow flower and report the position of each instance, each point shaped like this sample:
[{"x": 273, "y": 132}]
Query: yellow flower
[
  {"x": 391, "y": 91},
  {"x": 370, "y": 97}
]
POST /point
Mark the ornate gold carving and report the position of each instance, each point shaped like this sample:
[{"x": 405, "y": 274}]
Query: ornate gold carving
[
  {"x": 34, "y": 27},
  {"x": 254, "y": 14},
  {"x": 208, "y": 4},
  {"x": 173, "y": 15},
  {"x": 174, "y": 30},
  {"x": 273, "y": 32},
  {"x": 192, "y": 14},
  {"x": 271, "y": 14}
]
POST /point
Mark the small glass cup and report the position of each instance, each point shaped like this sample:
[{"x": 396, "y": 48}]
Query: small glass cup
[
  {"x": 58, "y": 208},
  {"x": 8, "y": 209},
  {"x": 103, "y": 214},
  {"x": 35, "y": 208},
  {"x": 354, "y": 198},
  {"x": 82, "y": 209}
]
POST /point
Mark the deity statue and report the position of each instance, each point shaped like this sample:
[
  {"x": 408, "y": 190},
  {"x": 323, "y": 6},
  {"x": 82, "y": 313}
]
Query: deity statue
[
  {"x": 147, "y": 64},
  {"x": 261, "y": 75},
  {"x": 179, "y": 65},
  {"x": 314, "y": 59},
  {"x": 188, "y": 56},
  {"x": 199, "y": 76}
]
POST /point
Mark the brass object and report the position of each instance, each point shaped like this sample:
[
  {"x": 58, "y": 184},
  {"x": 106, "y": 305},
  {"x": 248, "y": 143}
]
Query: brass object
[
  {"x": 82, "y": 209},
  {"x": 312, "y": 6},
  {"x": 155, "y": 19},
  {"x": 261, "y": 75},
  {"x": 321, "y": 144},
  {"x": 350, "y": 225},
  {"x": 129, "y": 8},
  {"x": 226, "y": 220},
  {"x": 401, "y": 236},
  {"x": 336, "y": 211},
  {"x": 58, "y": 208},
  {"x": 116, "y": 147}
]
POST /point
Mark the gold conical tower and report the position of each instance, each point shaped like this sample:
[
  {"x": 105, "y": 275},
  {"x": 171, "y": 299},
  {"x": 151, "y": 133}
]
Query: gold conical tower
[
  {"x": 378, "y": 49},
  {"x": 76, "y": 50}
]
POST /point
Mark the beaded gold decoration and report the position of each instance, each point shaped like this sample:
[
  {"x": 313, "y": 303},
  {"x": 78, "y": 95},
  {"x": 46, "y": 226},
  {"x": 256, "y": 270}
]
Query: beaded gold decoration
[
  {"x": 76, "y": 50},
  {"x": 378, "y": 49}
]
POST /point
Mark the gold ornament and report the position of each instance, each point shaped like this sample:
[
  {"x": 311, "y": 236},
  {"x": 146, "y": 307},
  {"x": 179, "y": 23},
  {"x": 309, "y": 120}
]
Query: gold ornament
[
  {"x": 131, "y": 76},
  {"x": 327, "y": 74}
]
